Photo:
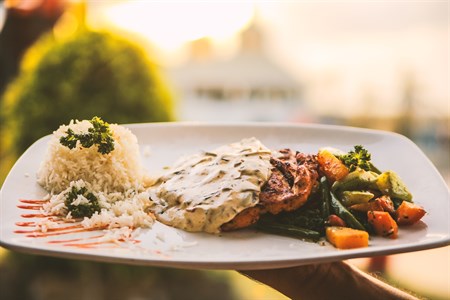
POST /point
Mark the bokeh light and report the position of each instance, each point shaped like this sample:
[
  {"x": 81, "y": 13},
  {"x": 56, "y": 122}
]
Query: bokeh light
[{"x": 171, "y": 25}]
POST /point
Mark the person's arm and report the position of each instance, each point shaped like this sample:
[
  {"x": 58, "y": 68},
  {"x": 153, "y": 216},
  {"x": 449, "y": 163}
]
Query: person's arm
[{"x": 337, "y": 280}]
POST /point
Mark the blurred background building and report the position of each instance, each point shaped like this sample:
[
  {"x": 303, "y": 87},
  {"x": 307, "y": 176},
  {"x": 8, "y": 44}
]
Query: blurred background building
[
  {"x": 249, "y": 86},
  {"x": 372, "y": 64}
]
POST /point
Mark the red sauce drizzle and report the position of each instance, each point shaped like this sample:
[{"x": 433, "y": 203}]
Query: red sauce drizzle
[
  {"x": 32, "y": 207},
  {"x": 75, "y": 240},
  {"x": 26, "y": 224},
  {"x": 38, "y": 205},
  {"x": 92, "y": 245},
  {"x": 55, "y": 232},
  {"x": 28, "y": 216},
  {"x": 33, "y": 201},
  {"x": 76, "y": 228},
  {"x": 59, "y": 229}
]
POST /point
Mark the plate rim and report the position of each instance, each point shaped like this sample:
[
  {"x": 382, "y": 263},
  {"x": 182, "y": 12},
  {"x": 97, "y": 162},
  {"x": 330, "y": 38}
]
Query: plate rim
[{"x": 252, "y": 264}]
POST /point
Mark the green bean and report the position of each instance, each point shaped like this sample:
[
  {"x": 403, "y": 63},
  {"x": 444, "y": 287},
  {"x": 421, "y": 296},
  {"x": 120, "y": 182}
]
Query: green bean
[
  {"x": 373, "y": 168},
  {"x": 325, "y": 195},
  {"x": 289, "y": 230},
  {"x": 344, "y": 214}
]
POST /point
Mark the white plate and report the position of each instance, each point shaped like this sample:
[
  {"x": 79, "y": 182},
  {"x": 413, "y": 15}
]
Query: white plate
[{"x": 161, "y": 144}]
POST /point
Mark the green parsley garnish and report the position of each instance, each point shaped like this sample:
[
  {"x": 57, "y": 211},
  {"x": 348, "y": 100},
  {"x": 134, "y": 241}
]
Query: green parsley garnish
[
  {"x": 85, "y": 209},
  {"x": 358, "y": 158},
  {"x": 99, "y": 134}
]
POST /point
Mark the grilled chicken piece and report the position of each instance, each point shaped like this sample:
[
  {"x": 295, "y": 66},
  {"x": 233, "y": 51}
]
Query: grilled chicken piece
[
  {"x": 293, "y": 178},
  {"x": 243, "y": 219}
]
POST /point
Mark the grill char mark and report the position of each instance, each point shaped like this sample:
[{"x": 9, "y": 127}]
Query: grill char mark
[{"x": 293, "y": 179}]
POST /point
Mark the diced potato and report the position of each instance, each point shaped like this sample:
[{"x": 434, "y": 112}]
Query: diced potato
[
  {"x": 383, "y": 224},
  {"x": 409, "y": 213},
  {"x": 358, "y": 180},
  {"x": 333, "y": 168},
  {"x": 355, "y": 197},
  {"x": 347, "y": 238},
  {"x": 389, "y": 183}
]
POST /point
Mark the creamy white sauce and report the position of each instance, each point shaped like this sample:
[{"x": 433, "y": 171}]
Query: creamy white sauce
[{"x": 203, "y": 191}]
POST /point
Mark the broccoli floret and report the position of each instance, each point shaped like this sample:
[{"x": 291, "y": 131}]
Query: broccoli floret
[
  {"x": 99, "y": 134},
  {"x": 85, "y": 209},
  {"x": 358, "y": 158}
]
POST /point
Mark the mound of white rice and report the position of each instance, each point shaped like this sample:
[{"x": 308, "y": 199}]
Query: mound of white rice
[
  {"x": 117, "y": 171},
  {"x": 117, "y": 209},
  {"x": 116, "y": 179}
]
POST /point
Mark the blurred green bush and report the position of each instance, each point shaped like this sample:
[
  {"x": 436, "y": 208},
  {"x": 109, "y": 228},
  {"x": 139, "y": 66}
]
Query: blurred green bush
[
  {"x": 84, "y": 75},
  {"x": 89, "y": 73},
  {"x": 39, "y": 277}
]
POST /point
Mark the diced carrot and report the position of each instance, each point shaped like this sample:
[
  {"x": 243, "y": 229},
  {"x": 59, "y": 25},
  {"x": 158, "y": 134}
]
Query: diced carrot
[
  {"x": 347, "y": 238},
  {"x": 409, "y": 213},
  {"x": 383, "y": 203},
  {"x": 333, "y": 168},
  {"x": 383, "y": 224},
  {"x": 386, "y": 203},
  {"x": 368, "y": 206}
]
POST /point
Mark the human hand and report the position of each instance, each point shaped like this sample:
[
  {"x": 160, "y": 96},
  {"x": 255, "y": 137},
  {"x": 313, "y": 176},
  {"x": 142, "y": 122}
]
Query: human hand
[{"x": 335, "y": 280}]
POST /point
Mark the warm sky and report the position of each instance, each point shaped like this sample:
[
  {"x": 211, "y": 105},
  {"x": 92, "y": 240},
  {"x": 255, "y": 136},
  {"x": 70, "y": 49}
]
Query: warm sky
[
  {"x": 342, "y": 52},
  {"x": 366, "y": 49}
]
